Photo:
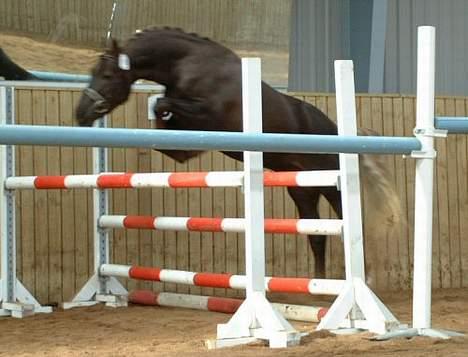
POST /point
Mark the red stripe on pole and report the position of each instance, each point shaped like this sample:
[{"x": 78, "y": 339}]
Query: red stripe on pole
[
  {"x": 321, "y": 313},
  {"x": 212, "y": 280},
  {"x": 289, "y": 285},
  {"x": 114, "y": 181},
  {"x": 284, "y": 178},
  {"x": 48, "y": 182},
  {"x": 142, "y": 273},
  {"x": 204, "y": 224},
  {"x": 225, "y": 305},
  {"x": 280, "y": 225},
  {"x": 143, "y": 297},
  {"x": 139, "y": 222},
  {"x": 183, "y": 179}
]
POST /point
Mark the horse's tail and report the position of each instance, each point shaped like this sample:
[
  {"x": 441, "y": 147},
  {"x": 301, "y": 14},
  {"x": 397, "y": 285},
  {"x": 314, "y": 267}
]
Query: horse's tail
[
  {"x": 9, "y": 70},
  {"x": 383, "y": 214}
]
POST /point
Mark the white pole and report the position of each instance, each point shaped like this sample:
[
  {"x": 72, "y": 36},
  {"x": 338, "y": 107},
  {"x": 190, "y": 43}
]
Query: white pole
[
  {"x": 253, "y": 179},
  {"x": 424, "y": 179},
  {"x": 349, "y": 168}
]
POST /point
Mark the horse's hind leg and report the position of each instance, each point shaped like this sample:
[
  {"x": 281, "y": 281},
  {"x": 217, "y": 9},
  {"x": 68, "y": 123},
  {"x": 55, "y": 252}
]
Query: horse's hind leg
[{"x": 306, "y": 200}]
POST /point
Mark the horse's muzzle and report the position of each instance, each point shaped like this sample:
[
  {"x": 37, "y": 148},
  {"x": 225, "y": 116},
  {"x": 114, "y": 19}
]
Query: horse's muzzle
[{"x": 91, "y": 107}]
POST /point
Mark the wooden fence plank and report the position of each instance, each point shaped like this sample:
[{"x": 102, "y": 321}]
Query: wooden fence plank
[
  {"x": 230, "y": 210},
  {"x": 41, "y": 206},
  {"x": 170, "y": 247},
  {"x": 443, "y": 214},
  {"x": 462, "y": 199},
  {"x": 144, "y": 198},
  {"x": 81, "y": 197},
  {"x": 453, "y": 197},
  {"x": 409, "y": 113},
  {"x": 68, "y": 205},
  {"x": 118, "y": 201},
  {"x": 26, "y": 238},
  {"x": 207, "y": 244},
  {"x": 401, "y": 241},
  {"x": 393, "y": 234},
  {"x": 54, "y": 204},
  {"x": 195, "y": 196},
  {"x": 182, "y": 238},
  {"x": 131, "y": 165},
  {"x": 219, "y": 239}
]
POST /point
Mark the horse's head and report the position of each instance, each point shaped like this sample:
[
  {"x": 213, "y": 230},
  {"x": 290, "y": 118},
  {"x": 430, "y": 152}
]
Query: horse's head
[{"x": 109, "y": 87}]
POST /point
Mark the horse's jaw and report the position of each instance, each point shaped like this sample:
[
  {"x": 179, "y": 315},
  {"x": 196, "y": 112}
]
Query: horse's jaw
[{"x": 85, "y": 113}]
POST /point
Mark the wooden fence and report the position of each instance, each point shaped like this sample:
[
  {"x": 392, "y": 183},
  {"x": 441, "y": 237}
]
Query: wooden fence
[
  {"x": 54, "y": 227},
  {"x": 245, "y": 23}
]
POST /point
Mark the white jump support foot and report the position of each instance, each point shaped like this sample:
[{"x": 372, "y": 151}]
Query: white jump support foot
[
  {"x": 256, "y": 318},
  {"x": 357, "y": 307},
  {"x": 15, "y": 299},
  {"x": 98, "y": 288}
]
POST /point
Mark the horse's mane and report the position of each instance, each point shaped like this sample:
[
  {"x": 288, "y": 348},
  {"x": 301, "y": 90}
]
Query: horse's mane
[{"x": 168, "y": 31}]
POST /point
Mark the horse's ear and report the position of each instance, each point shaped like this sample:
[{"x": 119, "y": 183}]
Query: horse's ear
[{"x": 113, "y": 46}]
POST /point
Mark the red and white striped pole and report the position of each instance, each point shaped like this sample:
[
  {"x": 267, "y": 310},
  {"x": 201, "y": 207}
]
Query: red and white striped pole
[
  {"x": 227, "y": 281},
  {"x": 221, "y": 304},
  {"x": 203, "y": 224},
  {"x": 322, "y": 178}
]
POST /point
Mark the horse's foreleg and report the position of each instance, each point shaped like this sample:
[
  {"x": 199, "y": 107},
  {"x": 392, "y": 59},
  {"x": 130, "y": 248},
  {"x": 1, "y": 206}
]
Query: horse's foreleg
[
  {"x": 333, "y": 197},
  {"x": 183, "y": 108},
  {"x": 306, "y": 200}
]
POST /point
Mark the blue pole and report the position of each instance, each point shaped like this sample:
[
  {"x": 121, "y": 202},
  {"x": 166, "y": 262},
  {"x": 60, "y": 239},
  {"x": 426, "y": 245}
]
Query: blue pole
[
  {"x": 204, "y": 140},
  {"x": 61, "y": 77},
  {"x": 454, "y": 125}
]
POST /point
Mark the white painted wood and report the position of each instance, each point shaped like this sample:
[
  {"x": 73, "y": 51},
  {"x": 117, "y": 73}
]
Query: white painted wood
[
  {"x": 160, "y": 179},
  {"x": 349, "y": 168},
  {"x": 424, "y": 181},
  {"x": 171, "y": 223},
  {"x": 177, "y": 276},
  {"x": 111, "y": 221},
  {"x": 22, "y": 182},
  {"x": 122, "y": 271},
  {"x": 321, "y": 178}
]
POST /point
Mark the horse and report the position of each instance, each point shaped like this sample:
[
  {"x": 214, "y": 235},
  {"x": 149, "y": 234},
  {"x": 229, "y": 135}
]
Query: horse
[
  {"x": 10, "y": 71},
  {"x": 202, "y": 80}
]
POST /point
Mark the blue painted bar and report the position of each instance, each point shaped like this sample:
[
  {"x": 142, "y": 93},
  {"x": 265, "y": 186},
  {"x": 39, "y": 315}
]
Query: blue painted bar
[
  {"x": 454, "y": 125},
  {"x": 61, "y": 77},
  {"x": 204, "y": 140}
]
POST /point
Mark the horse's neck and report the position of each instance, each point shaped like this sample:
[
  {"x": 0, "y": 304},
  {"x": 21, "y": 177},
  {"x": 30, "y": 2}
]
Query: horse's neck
[{"x": 158, "y": 63}]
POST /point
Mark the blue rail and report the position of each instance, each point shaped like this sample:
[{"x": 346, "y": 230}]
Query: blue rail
[
  {"x": 454, "y": 125},
  {"x": 204, "y": 140},
  {"x": 61, "y": 77}
]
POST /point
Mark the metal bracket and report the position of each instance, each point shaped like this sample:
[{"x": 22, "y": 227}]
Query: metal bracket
[
  {"x": 426, "y": 132},
  {"x": 432, "y": 132},
  {"x": 423, "y": 154}
]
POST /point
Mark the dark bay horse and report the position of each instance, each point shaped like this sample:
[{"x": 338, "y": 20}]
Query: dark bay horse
[
  {"x": 203, "y": 92},
  {"x": 10, "y": 71}
]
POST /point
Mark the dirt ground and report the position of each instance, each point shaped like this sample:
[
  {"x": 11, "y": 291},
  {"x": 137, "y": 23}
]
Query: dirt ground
[{"x": 156, "y": 331}]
